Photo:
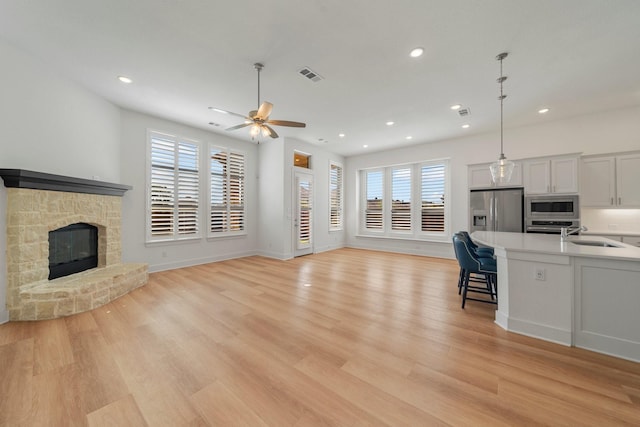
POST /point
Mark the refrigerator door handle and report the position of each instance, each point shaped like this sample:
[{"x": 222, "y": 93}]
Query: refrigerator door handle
[{"x": 495, "y": 214}]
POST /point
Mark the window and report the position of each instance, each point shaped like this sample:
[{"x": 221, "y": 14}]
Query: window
[
  {"x": 374, "y": 186},
  {"x": 401, "y": 199},
  {"x": 432, "y": 198},
  {"x": 227, "y": 211},
  {"x": 335, "y": 197},
  {"x": 406, "y": 201},
  {"x": 173, "y": 202}
]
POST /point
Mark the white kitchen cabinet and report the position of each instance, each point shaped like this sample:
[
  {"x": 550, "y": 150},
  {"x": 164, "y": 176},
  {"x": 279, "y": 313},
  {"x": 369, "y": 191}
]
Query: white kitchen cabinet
[
  {"x": 480, "y": 176},
  {"x": 610, "y": 181},
  {"x": 628, "y": 180},
  {"x": 598, "y": 181},
  {"x": 551, "y": 175}
]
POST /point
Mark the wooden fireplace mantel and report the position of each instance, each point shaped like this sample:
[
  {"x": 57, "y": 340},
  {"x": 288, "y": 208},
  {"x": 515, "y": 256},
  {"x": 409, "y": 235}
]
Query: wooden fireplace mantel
[{"x": 21, "y": 178}]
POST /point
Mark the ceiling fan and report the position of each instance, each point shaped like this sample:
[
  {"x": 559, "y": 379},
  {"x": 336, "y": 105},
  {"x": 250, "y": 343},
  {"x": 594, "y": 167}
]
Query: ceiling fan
[{"x": 259, "y": 119}]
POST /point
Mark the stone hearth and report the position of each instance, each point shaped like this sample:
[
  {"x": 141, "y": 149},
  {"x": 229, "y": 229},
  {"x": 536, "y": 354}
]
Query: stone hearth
[{"x": 31, "y": 214}]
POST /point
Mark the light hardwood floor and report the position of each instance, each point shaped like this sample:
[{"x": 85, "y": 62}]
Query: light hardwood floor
[{"x": 345, "y": 338}]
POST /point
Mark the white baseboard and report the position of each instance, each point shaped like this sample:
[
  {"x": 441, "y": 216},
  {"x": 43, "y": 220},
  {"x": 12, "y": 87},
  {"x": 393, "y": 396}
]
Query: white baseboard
[
  {"x": 534, "y": 330},
  {"x": 197, "y": 261}
]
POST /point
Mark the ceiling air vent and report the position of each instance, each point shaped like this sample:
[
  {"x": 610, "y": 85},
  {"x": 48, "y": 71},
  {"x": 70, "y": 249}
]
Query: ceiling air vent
[
  {"x": 310, "y": 74},
  {"x": 464, "y": 112}
]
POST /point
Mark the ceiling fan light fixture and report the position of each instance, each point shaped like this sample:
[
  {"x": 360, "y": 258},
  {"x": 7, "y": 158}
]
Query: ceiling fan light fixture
[{"x": 502, "y": 169}]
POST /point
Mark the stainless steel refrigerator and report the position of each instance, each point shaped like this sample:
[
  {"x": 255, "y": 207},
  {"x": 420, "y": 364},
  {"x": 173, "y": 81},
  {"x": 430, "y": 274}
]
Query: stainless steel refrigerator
[{"x": 497, "y": 209}]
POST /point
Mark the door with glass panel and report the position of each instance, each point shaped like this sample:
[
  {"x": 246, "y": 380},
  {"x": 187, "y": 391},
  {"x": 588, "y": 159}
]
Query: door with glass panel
[{"x": 303, "y": 219}]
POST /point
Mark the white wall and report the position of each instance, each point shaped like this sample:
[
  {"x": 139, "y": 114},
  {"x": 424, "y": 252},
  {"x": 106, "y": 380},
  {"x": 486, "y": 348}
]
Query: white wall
[
  {"x": 607, "y": 132},
  {"x": 271, "y": 199},
  {"x": 164, "y": 256},
  {"x": 50, "y": 124}
]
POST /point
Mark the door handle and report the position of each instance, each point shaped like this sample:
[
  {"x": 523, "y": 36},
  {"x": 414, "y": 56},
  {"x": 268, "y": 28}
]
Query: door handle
[
  {"x": 612, "y": 200},
  {"x": 619, "y": 200}
]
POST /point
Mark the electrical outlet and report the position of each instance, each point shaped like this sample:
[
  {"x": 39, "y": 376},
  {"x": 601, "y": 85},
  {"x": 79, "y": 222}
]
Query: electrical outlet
[{"x": 540, "y": 274}]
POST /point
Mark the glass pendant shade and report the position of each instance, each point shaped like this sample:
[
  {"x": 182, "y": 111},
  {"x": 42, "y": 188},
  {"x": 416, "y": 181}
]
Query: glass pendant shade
[{"x": 501, "y": 170}]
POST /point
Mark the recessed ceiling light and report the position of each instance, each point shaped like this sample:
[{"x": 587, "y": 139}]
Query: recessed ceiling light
[
  {"x": 365, "y": 146},
  {"x": 418, "y": 51},
  {"x": 543, "y": 110},
  {"x": 341, "y": 135},
  {"x": 465, "y": 126},
  {"x": 125, "y": 79},
  {"x": 456, "y": 106},
  {"x": 409, "y": 137},
  {"x": 390, "y": 123}
]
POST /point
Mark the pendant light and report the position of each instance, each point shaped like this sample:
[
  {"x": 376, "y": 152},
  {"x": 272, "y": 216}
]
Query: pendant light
[{"x": 502, "y": 168}]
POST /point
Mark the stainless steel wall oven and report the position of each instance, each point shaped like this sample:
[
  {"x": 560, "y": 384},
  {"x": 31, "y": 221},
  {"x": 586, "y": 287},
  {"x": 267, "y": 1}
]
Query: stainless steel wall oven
[{"x": 548, "y": 214}]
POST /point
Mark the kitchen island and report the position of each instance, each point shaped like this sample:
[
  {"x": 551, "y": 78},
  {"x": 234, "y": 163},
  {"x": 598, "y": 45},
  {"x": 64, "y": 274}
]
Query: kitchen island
[{"x": 584, "y": 292}]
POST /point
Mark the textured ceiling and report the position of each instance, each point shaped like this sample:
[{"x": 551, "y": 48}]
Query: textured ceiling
[{"x": 574, "y": 56}]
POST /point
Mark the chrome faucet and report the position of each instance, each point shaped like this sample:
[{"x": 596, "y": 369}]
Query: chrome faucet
[{"x": 568, "y": 231}]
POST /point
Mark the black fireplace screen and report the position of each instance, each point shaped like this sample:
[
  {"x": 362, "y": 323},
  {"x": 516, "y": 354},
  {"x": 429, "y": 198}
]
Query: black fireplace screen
[{"x": 72, "y": 249}]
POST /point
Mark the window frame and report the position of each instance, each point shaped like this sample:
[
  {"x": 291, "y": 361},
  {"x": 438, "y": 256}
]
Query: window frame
[
  {"x": 175, "y": 235},
  {"x": 340, "y": 201},
  {"x": 415, "y": 232},
  {"x": 365, "y": 203}
]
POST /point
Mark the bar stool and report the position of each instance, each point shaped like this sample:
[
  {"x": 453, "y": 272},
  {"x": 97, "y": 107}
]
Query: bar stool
[{"x": 482, "y": 268}]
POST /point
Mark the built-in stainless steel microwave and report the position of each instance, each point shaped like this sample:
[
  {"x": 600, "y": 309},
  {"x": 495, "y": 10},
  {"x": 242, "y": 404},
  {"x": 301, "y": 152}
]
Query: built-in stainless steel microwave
[{"x": 552, "y": 207}]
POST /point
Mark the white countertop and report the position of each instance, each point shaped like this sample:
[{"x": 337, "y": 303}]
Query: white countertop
[{"x": 551, "y": 244}]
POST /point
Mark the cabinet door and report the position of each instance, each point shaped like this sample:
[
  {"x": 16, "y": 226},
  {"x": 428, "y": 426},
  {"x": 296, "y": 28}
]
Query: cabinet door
[
  {"x": 628, "y": 180},
  {"x": 598, "y": 182},
  {"x": 564, "y": 175},
  {"x": 536, "y": 177},
  {"x": 480, "y": 176}
]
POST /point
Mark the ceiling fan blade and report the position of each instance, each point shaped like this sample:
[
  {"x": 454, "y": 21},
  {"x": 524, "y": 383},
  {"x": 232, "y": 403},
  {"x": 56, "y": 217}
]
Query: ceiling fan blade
[
  {"x": 272, "y": 133},
  {"x": 240, "y": 126},
  {"x": 221, "y": 111},
  {"x": 264, "y": 110},
  {"x": 287, "y": 123}
]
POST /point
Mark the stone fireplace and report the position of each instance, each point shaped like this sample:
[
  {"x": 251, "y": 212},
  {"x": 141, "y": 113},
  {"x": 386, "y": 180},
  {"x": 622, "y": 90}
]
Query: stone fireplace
[{"x": 40, "y": 203}]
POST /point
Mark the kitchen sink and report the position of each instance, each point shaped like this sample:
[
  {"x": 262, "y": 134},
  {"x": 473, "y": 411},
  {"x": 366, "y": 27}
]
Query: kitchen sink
[{"x": 593, "y": 243}]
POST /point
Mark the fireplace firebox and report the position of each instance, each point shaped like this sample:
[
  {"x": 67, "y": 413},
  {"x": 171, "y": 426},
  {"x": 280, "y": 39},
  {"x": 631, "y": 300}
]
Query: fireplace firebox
[{"x": 72, "y": 249}]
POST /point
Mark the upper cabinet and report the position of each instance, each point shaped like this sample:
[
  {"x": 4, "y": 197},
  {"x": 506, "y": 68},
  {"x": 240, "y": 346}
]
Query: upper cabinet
[
  {"x": 480, "y": 176},
  {"x": 551, "y": 175},
  {"x": 611, "y": 181}
]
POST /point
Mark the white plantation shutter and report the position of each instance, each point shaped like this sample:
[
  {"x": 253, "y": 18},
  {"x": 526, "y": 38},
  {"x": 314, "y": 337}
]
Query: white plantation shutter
[
  {"x": 173, "y": 188},
  {"x": 405, "y": 201},
  {"x": 236, "y": 192},
  {"x": 335, "y": 197},
  {"x": 433, "y": 198},
  {"x": 188, "y": 189},
  {"x": 374, "y": 200},
  {"x": 401, "y": 199},
  {"x": 218, "y": 212},
  {"x": 305, "y": 212},
  {"x": 227, "y": 208}
]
